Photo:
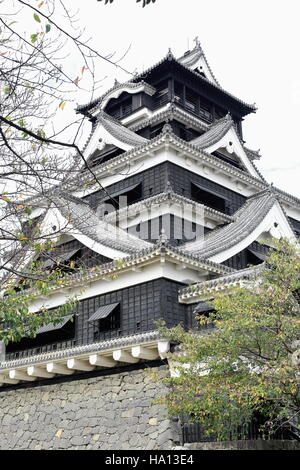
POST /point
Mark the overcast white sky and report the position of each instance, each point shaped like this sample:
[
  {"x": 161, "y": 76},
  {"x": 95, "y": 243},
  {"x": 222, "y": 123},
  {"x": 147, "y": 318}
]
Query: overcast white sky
[{"x": 251, "y": 45}]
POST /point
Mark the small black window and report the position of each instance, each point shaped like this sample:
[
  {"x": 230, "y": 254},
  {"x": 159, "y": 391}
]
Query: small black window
[
  {"x": 111, "y": 322},
  {"x": 132, "y": 194},
  {"x": 208, "y": 198},
  {"x": 50, "y": 338}
]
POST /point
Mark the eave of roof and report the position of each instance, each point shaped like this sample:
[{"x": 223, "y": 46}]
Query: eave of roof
[
  {"x": 214, "y": 133},
  {"x": 206, "y": 289},
  {"x": 173, "y": 112},
  {"x": 247, "y": 218},
  {"x": 165, "y": 197},
  {"x": 161, "y": 250},
  {"x": 85, "y": 220},
  {"x": 169, "y": 57},
  {"x": 81, "y": 351},
  {"x": 189, "y": 148},
  {"x": 153, "y": 144},
  {"x": 120, "y": 132},
  {"x": 89, "y": 108}
]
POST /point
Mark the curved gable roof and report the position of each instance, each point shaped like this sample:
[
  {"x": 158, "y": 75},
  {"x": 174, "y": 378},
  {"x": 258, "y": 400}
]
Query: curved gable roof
[{"x": 226, "y": 241}]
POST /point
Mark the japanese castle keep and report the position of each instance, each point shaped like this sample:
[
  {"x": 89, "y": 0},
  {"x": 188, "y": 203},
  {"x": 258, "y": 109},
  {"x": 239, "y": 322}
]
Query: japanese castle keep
[{"x": 182, "y": 213}]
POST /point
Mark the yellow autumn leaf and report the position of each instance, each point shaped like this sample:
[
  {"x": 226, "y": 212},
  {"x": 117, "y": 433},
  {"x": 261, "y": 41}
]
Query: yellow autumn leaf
[{"x": 62, "y": 105}]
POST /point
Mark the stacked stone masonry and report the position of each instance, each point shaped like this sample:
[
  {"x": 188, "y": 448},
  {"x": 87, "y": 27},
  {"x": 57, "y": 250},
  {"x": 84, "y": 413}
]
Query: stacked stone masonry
[{"x": 105, "y": 412}]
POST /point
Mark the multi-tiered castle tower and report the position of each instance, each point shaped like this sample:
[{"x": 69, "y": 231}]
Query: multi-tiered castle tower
[{"x": 180, "y": 211}]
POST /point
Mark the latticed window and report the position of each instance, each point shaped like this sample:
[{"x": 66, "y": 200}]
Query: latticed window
[
  {"x": 106, "y": 318},
  {"x": 178, "y": 92},
  {"x": 191, "y": 101},
  {"x": 162, "y": 94},
  {"x": 48, "y": 338}
]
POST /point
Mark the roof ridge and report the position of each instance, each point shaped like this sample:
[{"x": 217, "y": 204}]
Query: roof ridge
[{"x": 171, "y": 57}]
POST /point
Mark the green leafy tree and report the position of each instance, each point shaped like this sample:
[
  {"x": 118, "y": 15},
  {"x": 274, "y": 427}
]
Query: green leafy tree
[
  {"x": 248, "y": 365},
  {"x": 17, "y": 321}
]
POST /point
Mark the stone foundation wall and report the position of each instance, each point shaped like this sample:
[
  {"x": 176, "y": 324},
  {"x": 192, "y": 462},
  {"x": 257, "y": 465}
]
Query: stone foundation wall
[{"x": 108, "y": 412}]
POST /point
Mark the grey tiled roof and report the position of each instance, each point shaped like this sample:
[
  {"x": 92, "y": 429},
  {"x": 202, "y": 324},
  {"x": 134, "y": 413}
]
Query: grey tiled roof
[
  {"x": 172, "y": 112},
  {"x": 84, "y": 349},
  {"x": 117, "y": 130},
  {"x": 205, "y": 289},
  {"x": 120, "y": 132},
  {"x": 188, "y": 147},
  {"x": 215, "y": 132},
  {"x": 96, "y": 103},
  {"x": 247, "y": 218},
  {"x": 170, "y": 57},
  {"x": 86, "y": 221},
  {"x": 168, "y": 196}
]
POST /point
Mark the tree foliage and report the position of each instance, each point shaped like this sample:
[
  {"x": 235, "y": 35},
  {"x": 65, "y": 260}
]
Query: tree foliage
[
  {"x": 39, "y": 140},
  {"x": 249, "y": 364}
]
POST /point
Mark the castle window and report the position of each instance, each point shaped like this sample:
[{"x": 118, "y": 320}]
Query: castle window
[
  {"x": 162, "y": 94},
  {"x": 191, "y": 101},
  {"x": 108, "y": 318},
  {"x": 255, "y": 257},
  {"x": 178, "y": 92},
  {"x": 209, "y": 198},
  {"x": 133, "y": 193},
  {"x": 48, "y": 338}
]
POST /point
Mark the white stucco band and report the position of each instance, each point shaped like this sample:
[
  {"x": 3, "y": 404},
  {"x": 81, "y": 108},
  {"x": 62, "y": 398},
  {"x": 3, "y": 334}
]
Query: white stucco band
[{"x": 84, "y": 289}]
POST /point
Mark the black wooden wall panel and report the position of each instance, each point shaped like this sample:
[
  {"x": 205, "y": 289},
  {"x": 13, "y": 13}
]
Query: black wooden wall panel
[{"x": 154, "y": 181}]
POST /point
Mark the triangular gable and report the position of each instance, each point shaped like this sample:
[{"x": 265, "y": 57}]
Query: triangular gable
[
  {"x": 196, "y": 60},
  {"x": 108, "y": 131},
  {"x": 223, "y": 135}
]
